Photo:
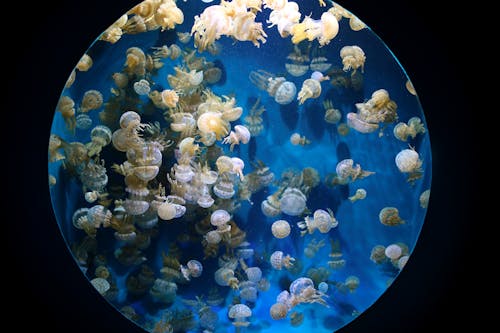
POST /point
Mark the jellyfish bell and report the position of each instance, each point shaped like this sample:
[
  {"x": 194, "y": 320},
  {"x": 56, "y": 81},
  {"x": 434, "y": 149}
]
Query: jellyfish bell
[
  {"x": 280, "y": 229},
  {"x": 278, "y": 311},
  {"x": 393, "y": 251},
  {"x": 293, "y": 202},
  {"x": 408, "y": 161}
]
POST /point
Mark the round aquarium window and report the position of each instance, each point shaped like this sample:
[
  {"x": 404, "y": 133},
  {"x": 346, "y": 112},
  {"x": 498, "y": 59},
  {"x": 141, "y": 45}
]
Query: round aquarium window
[{"x": 248, "y": 165}]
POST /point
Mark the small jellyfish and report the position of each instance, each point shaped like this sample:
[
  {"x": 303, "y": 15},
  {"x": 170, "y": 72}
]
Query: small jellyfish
[
  {"x": 241, "y": 134},
  {"x": 100, "y": 137},
  {"x": 193, "y": 268},
  {"x": 424, "y": 198},
  {"x": 414, "y": 126},
  {"x": 170, "y": 98},
  {"x": 213, "y": 237},
  {"x": 343, "y": 129},
  {"x": 92, "y": 100},
  {"x": 293, "y": 201},
  {"x": 142, "y": 87},
  {"x": 184, "y": 37},
  {"x": 278, "y": 261},
  {"x": 283, "y": 91},
  {"x": 377, "y": 254},
  {"x": 356, "y": 24},
  {"x": 393, "y": 251},
  {"x": 101, "y": 285},
  {"x": 83, "y": 121},
  {"x": 66, "y": 106},
  {"x": 220, "y": 219},
  {"x": 71, "y": 79},
  {"x": 313, "y": 247},
  {"x": 212, "y": 75},
  {"x": 52, "y": 180},
  {"x": 352, "y": 283},
  {"x": 296, "y": 69},
  {"x": 320, "y": 64},
  {"x": 323, "y": 287},
  {"x": 359, "y": 195},
  {"x": 84, "y": 63},
  {"x": 311, "y": 88},
  {"x": 411, "y": 89},
  {"x": 254, "y": 274},
  {"x": 389, "y": 216},
  {"x": 408, "y": 161},
  {"x": 296, "y": 318},
  {"x": 278, "y": 311},
  {"x": 321, "y": 220},
  {"x": 332, "y": 115},
  {"x": 280, "y": 229},
  {"x": 401, "y": 263},
  {"x": 353, "y": 57},
  {"x": 296, "y": 139},
  {"x": 212, "y": 122},
  {"x": 348, "y": 172},
  {"x": 240, "y": 313},
  {"x": 225, "y": 277}
]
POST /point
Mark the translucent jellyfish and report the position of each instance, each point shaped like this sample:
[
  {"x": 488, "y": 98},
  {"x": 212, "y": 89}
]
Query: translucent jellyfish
[
  {"x": 293, "y": 202},
  {"x": 414, "y": 127},
  {"x": 311, "y": 88},
  {"x": 163, "y": 291},
  {"x": 296, "y": 318},
  {"x": 323, "y": 287},
  {"x": 352, "y": 283},
  {"x": 296, "y": 70},
  {"x": 52, "y": 180},
  {"x": 278, "y": 260},
  {"x": 332, "y": 115},
  {"x": 278, "y": 311},
  {"x": 212, "y": 122},
  {"x": 302, "y": 291},
  {"x": 224, "y": 188},
  {"x": 225, "y": 277},
  {"x": 238, "y": 166},
  {"x": 343, "y": 129},
  {"x": 71, "y": 79},
  {"x": 393, "y": 251},
  {"x": 280, "y": 229},
  {"x": 411, "y": 89},
  {"x": 84, "y": 63},
  {"x": 271, "y": 206},
  {"x": 241, "y": 134},
  {"x": 284, "y": 15},
  {"x": 114, "y": 32},
  {"x": 66, "y": 106},
  {"x": 424, "y": 198},
  {"x": 320, "y": 64},
  {"x": 168, "y": 15},
  {"x": 240, "y": 313},
  {"x": 324, "y": 29},
  {"x": 254, "y": 121},
  {"x": 377, "y": 254},
  {"x": 348, "y": 172},
  {"x": 254, "y": 274},
  {"x": 100, "y": 137},
  {"x": 193, "y": 268},
  {"x": 336, "y": 255},
  {"x": 353, "y": 57},
  {"x": 356, "y": 24},
  {"x": 219, "y": 219},
  {"x": 389, "y": 216},
  {"x": 359, "y": 195},
  {"x": 83, "y": 121},
  {"x": 321, "y": 220},
  {"x": 313, "y": 247},
  {"x": 409, "y": 162},
  {"x": 99, "y": 215},
  {"x": 212, "y": 75},
  {"x": 101, "y": 285},
  {"x": 92, "y": 100},
  {"x": 213, "y": 237},
  {"x": 378, "y": 109},
  {"x": 297, "y": 139},
  {"x": 283, "y": 91},
  {"x": 142, "y": 87}
]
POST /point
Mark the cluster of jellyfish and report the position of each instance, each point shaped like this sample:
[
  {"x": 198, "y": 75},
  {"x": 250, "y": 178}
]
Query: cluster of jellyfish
[{"x": 165, "y": 217}]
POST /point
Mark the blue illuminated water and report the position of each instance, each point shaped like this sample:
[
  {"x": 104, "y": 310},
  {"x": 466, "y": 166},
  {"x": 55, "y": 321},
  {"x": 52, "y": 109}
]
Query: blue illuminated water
[{"x": 359, "y": 229}]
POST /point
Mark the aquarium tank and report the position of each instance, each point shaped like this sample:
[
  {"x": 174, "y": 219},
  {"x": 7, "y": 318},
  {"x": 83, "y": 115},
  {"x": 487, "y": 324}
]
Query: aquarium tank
[{"x": 239, "y": 166}]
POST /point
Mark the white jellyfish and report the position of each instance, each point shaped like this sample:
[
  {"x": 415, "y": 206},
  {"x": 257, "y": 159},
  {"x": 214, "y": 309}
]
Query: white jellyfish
[{"x": 408, "y": 161}]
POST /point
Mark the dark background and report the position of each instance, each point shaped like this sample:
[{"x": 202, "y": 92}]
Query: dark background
[{"x": 434, "y": 292}]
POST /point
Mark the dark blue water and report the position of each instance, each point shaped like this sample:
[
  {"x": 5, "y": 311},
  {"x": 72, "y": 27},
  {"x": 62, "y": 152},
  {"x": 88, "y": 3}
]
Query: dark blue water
[{"x": 359, "y": 229}]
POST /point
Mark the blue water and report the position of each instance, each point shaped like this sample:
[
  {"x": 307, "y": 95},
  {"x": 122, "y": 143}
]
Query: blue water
[{"x": 359, "y": 229}]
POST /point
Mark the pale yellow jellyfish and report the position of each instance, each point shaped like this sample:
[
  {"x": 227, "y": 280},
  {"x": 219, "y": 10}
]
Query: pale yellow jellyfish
[
  {"x": 280, "y": 229},
  {"x": 411, "y": 89},
  {"x": 170, "y": 98},
  {"x": 240, "y": 313},
  {"x": 278, "y": 260},
  {"x": 353, "y": 57},
  {"x": 212, "y": 122},
  {"x": 322, "y": 220},
  {"x": 343, "y": 129},
  {"x": 284, "y": 16},
  {"x": 241, "y": 134},
  {"x": 71, "y": 79},
  {"x": 313, "y": 247},
  {"x": 187, "y": 147},
  {"x": 278, "y": 311},
  {"x": 339, "y": 12},
  {"x": 356, "y": 24},
  {"x": 168, "y": 15},
  {"x": 184, "y": 37},
  {"x": 246, "y": 29},
  {"x": 92, "y": 100},
  {"x": 214, "y": 22},
  {"x": 311, "y": 88},
  {"x": 414, "y": 127},
  {"x": 84, "y": 63},
  {"x": 352, "y": 283},
  {"x": 296, "y": 139},
  {"x": 254, "y": 121},
  {"x": 324, "y": 30},
  {"x": 142, "y": 87},
  {"x": 52, "y": 180},
  {"x": 114, "y": 32},
  {"x": 296, "y": 69},
  {"x": 66, "y": 106},
  {"x": 183, "y": 82},
  {"x": 359, "y": 195},
  {"x": 389, "y": 216},
  {"x": 408, "y": 161},
  {"x": 101, "y": 285},
  {"x": 101, "y": 137},
  {"x": 135, "y": 62},
  {"x": 136, "y": 25},
  {"x": 424, "y": 198}
]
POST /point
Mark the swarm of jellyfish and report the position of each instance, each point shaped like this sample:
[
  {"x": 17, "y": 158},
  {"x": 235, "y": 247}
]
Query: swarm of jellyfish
[{"x": 239, "y": 166}]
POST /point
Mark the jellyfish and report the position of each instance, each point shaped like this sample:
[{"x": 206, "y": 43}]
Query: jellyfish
[
  {"x": 408, "y": 161},
  {"x": 271, "y": 206},
  {"x": 320, "y": 64},
  {"x": 411, "y": 89},
  {"x": 297, "y": 139},
  {"x": 183, "y": 82},
  {"x": 220, "y": 219},
  {"x": 101, "y": 285},
  {"x": 321, "y": 220},
  {"x": 99, "y": 215},
  {"x": 353, "y": 57},
  {"x": 114, "y": 32},
  {"x": 135, "y": 62},
  {"x": 254, "y": 274},
  {"x": 377, "y": 254},
  {"x": 293, "y": 201},
  {"x": 280, "y": 229},
  {"x": 356, "y": 24},
  {"x": 302, "y": 291},
  {"x": 284, "y": 15},
  {"x": 212, "y": 122},
  {"x": 347, "y": 172},
  {"x": 424, "y": 198},
  {"x": 254, "y": 119},
  {"x": 323, "y": 287},
  {"x": 92, "y": 100},
  {"x": 296, "y": 318},
  {"x": 389, "y": 216},
  {"x": 278, "y": 311},
  {"x": 85, "y": 63},
  {"x": 313, "y": 247},
  {"x": 52, "y": 180},
  {"x": 324, "y": 30},
  {"x": 142, "y": 87},
  {"x": 332, "y": 115},
  {"x": 246, "y": 29},
  {"x": 83, "y": 121},
  {"x": 163, "y": 291},
  {"x": 193, "y": 268},
  {"x": 224, "y": 188},
  {"x": 414, "y": 127},
  {"x": 240, "y": 313},
  {"x": 238, "y": 166},
  {"x": 359, "y": 195},
  {"x": 225, "y": 277},
  {"x": 393, "y": 251},
  {"x": 71, "y": 79},
  {"x": 100, "y": 137},
  {"x": 168, "y": 15},
  {"x": 283, "y": 91},
  {"x": 311, "y": 88},
  {"x": 66, "y": 106},
  {"x": 352, "y": 283},
  {"x": 241, "y": 134},
  {"x": 378, "y": 109},
  {"x": 343, "y": 129},
  {"x": 278, "y": 261}
]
